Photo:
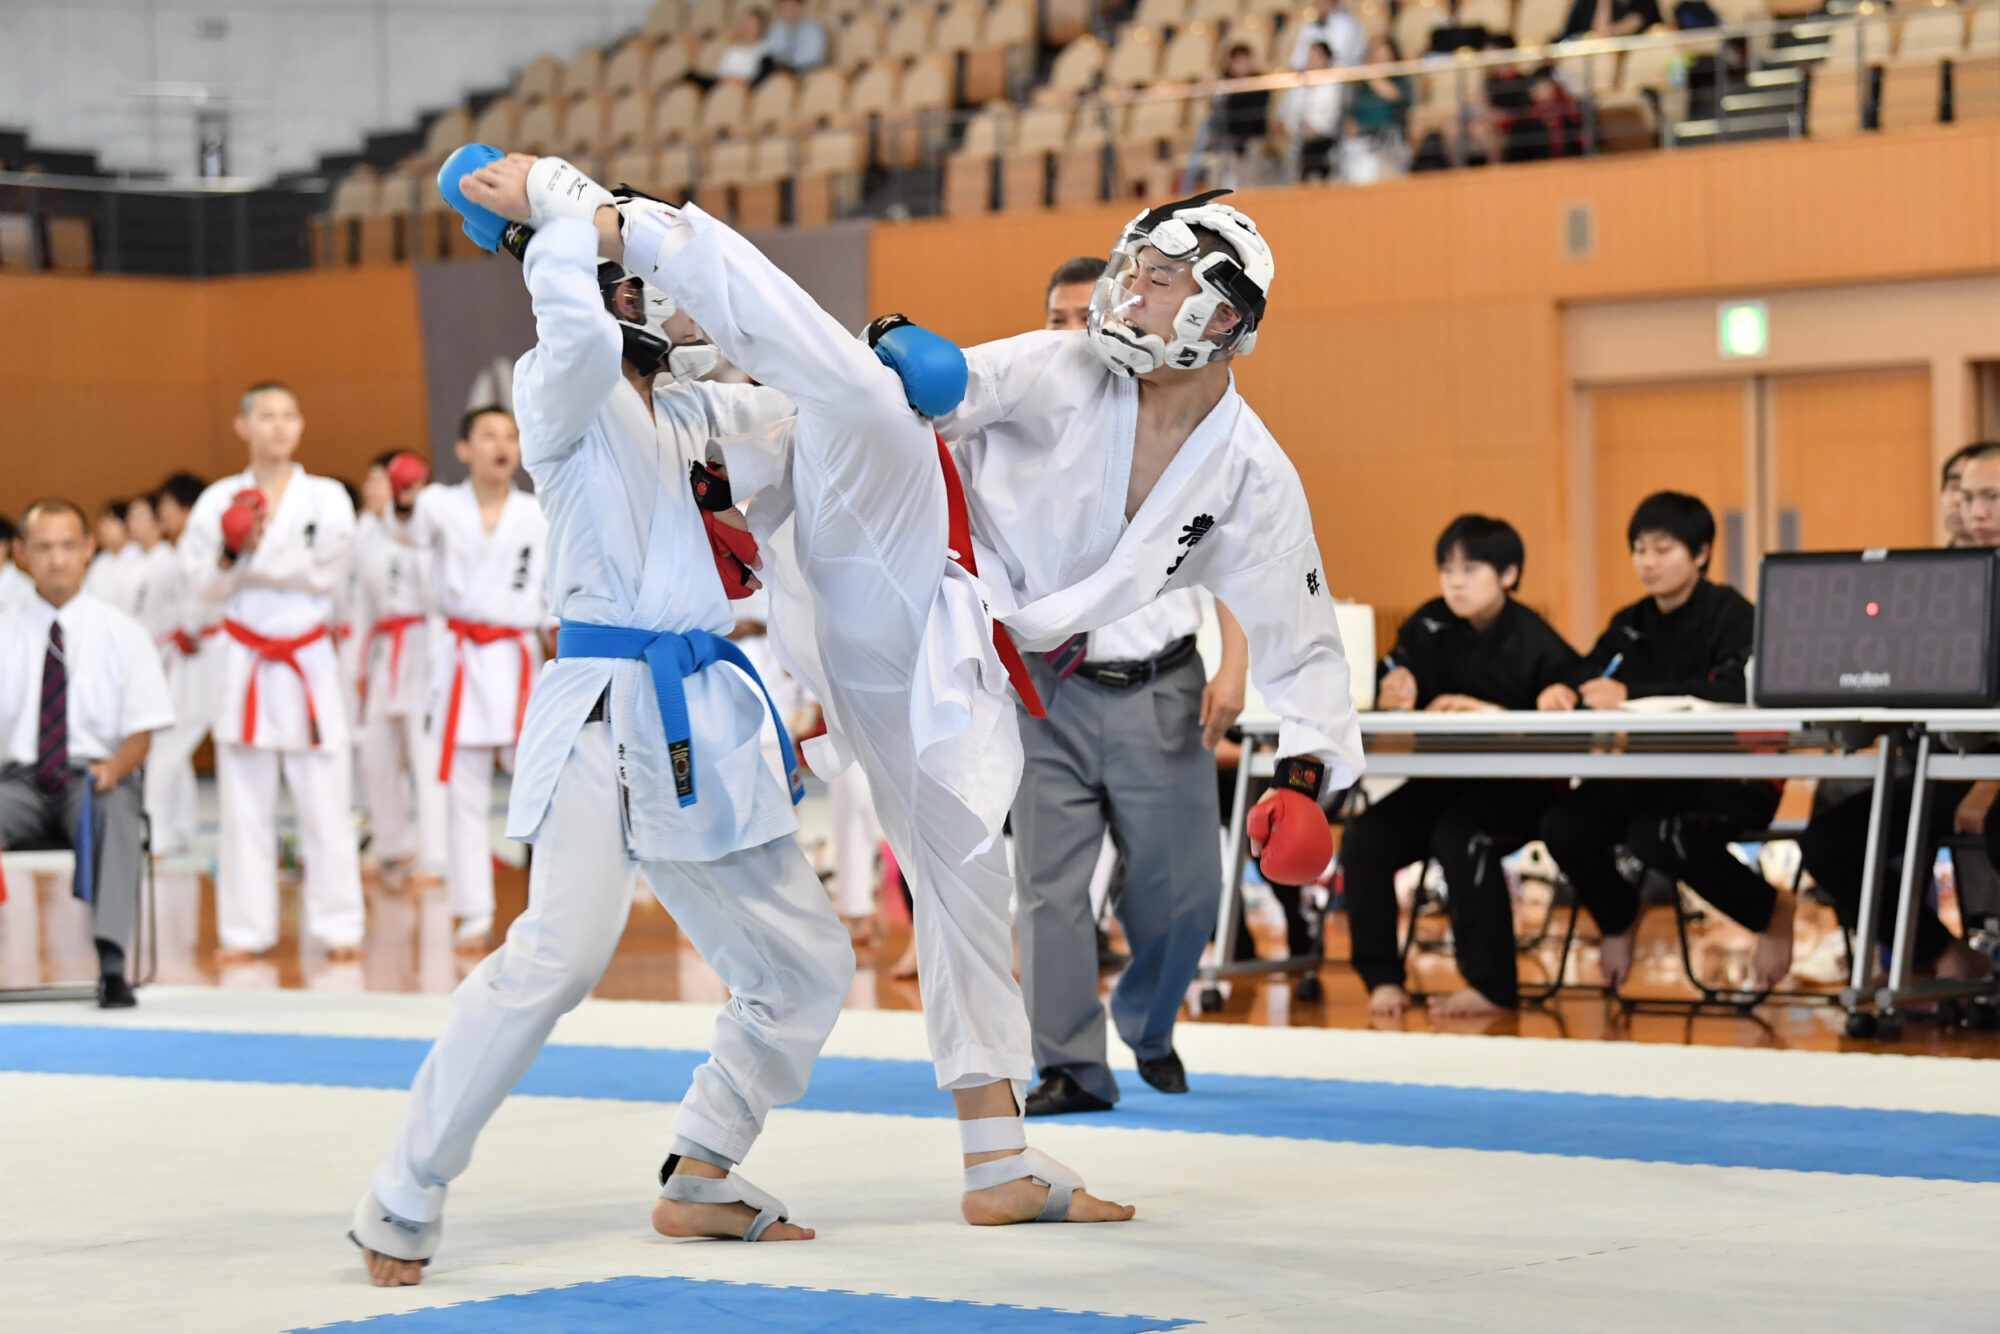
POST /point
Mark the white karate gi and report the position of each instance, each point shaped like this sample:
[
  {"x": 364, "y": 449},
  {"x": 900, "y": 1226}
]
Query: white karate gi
[
  {"x": 191, "y": 652},
  {"x": 392, "y": 622},
  {"x": 894, "y": 641},
  {"x": 113, "y": 576},
  {"x": 490, "y": 586},
  {"x": 1045, "y": 438},
  {"x": 283, "y": 592},
  {"x": 15, "y": 585},
  {"x": 627, "y": 548},
  {"x": 159, "y": 590}
]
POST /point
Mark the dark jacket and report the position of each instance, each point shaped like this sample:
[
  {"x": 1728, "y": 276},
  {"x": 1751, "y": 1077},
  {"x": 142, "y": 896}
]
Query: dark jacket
[
  {"x": 1509, "y": 663},
  {"x": 1698, "y": 649}
]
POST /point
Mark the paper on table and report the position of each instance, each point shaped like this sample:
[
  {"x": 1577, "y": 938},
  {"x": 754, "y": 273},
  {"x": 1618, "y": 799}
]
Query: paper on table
[{"x": 1675, "y": 704}]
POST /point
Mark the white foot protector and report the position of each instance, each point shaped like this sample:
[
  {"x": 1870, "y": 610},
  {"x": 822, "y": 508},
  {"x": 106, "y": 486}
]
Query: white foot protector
[
  {"x": 732, "y": 1189},
  {"x": 997, "y": 1134},
  {"x": 376, "y": 1229}
]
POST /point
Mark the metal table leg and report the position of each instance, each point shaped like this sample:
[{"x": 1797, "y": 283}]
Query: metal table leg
[{"x": 1862, "y": 980}]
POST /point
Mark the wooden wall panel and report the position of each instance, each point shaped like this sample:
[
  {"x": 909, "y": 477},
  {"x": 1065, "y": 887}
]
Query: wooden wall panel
[
  {"x": 1853, "y": 454},
  {"x": 112, "y": 382}
]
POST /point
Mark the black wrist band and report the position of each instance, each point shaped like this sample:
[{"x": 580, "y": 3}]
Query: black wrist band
[
  {"x": 514, "y": 238},
  {"x": 711, "y": 489},
  {"x": 1299, "y": 773}
]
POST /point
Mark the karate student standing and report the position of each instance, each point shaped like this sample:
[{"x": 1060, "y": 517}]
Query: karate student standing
[
  {"x": 639, "y": 751},
  {"x": 488, "y": 545},
  {"x": 158, "y": 588},
  {"x": 191, "y": 652},
  {"x": 270, "y": 546},
  {"x": 392, "y": 581}
]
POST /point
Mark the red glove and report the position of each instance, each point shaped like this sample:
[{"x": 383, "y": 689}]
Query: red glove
[
  {"x": 1296, "y": 840},
  {"x": 406, "y": 471},
  {"x": 240, "y": 520},
  {"x": 735, "y": 551}
]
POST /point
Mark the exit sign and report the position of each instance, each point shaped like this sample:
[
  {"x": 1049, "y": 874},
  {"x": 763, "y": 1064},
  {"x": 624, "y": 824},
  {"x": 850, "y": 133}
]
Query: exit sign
[{"x": 1742, "y": 329}]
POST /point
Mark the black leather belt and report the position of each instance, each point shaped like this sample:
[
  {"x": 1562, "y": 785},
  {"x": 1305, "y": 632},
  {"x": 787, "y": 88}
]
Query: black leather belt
[{"x": 1126, "y": 675}]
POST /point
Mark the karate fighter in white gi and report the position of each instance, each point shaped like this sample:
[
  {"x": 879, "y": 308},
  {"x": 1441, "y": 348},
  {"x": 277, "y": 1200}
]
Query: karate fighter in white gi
[
  {"x": 392, "y": 581},
  {"x": 270, "y": 546},
  {"x": 886, "y": 626},
  {"x": 488, "y": 545},
  {"x": 1108, "y": 467},
  {"x": 191, "y": 650},
  {"x": 640, "y": 749}
]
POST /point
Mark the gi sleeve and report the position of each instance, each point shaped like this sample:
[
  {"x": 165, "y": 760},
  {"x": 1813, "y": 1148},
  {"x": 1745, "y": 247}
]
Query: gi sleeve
[
  {"x": 562, "y": 382},
  {"x": 1297, "y": 660},
  {"x": 146, "y": 703},
  {"x": 999, "y": 375}
]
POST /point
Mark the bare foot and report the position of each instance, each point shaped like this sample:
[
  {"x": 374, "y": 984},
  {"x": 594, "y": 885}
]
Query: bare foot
[
  {"x": 1021, "y": 1201},
  {"x": 1772, "y": 958},
  {"x": 1962, "y": 963},
  {"x": 386, "y": 1271},
  {"x": 342, "y": 953},
  {"x": 1389, "y": 1000},
  {"x": 905, "y": 968},
  {"x": 684, "y": 1218},
  {"x": 1614, "y": 955},
  {"x": 229, "y": 957},
  {"x": 1465, "y": 1003}
]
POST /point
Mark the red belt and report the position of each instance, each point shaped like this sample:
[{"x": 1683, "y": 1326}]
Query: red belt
[
  {"x": 961, "y": 552},
  {"x": 394, "y": 627},
  {"x": 274, "y": 650},
  {"x": 190, "y": 644},
  {"x": 481, "y": 634}
]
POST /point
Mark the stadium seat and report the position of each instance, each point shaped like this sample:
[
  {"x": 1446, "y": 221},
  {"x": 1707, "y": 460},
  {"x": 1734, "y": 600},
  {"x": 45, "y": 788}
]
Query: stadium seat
[
  {"x": 1264, "y": 39},
  {"x": 1024, "y": 171},
  {"x": 541, "y": 128},
  {"x": 1539, "y": 22},
  {"x": 1077, "y": 67},
  {"x": 630, "y": 124},
  {"x": 584, "y": 75},
  {"x": 1010, "y": 24},
  {"x": 1219, "y": 12},
  {"x": 1975, "y": 88},
  {"x": 724, "y": 110},
  {"x": 920, "y": 121},
  {"x": 586, "y": 127},
  {"x": 829, "y": 176},
  {"x": 1417, "y": 21},
  {"x": 772, "y": 103},
  {"x": 664, "y": 19},
  {"x": 671, "y": 63},
  {"x": 541, "y": 81},
  {"x": 839, "y": 11},
  {"x": 872, "y": 93},
  {"x": 706, "y": 18},
  {"x": 1931, "y": 32},
  {"x": 1651, "y": 66},
  {"x": 1066, "y": 20},
  {"x": 1833, "y": 103},
  {"x": 1911, "y": 94},
  {"x": 1496, "y": 16},
  {"x": 1374, "y": 16},
  {"x": 960, "y": 29},
  {"x": 707, "y": 57},
  {"x": 673, "y": 171},
  {"x": 499, "y": 124},
  {"x": 1984, "y": 34},
  {"x": 822, "y": 98},
  {"x": 356, "y": 194},
  {"x": 1872, "y": 33},
  {"x": 1191, "y": 55},
  {"x": 859, "y": 43},
  {"x": 909, "y": 34},
  {"x": 447, "y": 132},
  {"x": 628, "y": 67},
  {"x": 1134, "y": 60},
  {"x": 677, "y": 113},
  {"x": 1160, "y": 15},
  {"x": 635, "y": 167}
]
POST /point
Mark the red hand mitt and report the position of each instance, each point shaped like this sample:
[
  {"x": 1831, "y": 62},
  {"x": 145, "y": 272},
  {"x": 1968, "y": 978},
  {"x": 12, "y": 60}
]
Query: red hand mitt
[
  {"x": 735, "y": 550},
  {"x": 1297, "y": 842},
  {"x": 406, "y": 471}
]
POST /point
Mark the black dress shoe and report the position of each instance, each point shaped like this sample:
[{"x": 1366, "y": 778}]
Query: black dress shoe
[
  {"x": 1059, "y": 1093},
  {"x": 115, "y": 993},
  {"x": 1165, "y": 1073}
]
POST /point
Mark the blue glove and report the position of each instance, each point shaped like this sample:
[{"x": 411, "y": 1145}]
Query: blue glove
[
  {"x": 931, "y": 366},
  {"x": 483, "y": 225}
]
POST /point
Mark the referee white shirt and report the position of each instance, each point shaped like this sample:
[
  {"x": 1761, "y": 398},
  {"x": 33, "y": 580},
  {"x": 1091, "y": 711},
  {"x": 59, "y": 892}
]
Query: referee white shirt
[
  {"x": 1146, "y": 633},
  {"x": 116, "y": 685}
]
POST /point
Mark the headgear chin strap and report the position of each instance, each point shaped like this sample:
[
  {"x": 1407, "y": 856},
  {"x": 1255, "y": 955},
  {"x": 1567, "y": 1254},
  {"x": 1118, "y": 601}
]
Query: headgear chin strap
[{"x": 1237, "y": 275}]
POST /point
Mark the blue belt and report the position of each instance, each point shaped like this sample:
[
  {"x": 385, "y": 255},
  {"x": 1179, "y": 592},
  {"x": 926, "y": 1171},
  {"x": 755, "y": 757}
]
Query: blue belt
[
  {"x": 673, "y": 657},
  {"x": 84, "y": 882}
]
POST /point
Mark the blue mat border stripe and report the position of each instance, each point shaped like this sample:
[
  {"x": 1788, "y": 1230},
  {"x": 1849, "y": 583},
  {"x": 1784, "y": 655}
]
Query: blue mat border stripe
[
  {"x": 1946, "y": 1146},
  {"x": 717, "y": 1307}
]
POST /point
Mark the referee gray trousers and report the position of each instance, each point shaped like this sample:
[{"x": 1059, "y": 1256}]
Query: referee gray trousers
[
  {"x": 30, "y": 817},
  {"x": 1130, "y": 761}
]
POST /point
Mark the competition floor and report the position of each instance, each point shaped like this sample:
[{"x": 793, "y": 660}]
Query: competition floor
[{"x": 189, "y": 1165}]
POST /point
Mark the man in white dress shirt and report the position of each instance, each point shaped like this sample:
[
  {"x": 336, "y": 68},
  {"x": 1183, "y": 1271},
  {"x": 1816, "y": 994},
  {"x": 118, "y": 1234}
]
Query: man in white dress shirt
[{"x": 81, "y": 693}]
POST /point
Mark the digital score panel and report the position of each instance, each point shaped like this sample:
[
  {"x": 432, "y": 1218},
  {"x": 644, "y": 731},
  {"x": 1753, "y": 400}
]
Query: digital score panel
[{"x": 1896, "y": 629}]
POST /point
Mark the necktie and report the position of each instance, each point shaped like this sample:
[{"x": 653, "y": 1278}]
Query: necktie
[{"x": 52, "y": 752}]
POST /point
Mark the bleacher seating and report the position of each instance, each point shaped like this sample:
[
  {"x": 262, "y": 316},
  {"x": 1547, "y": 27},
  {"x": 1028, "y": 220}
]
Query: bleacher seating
[{"x": 1018, "y": 104}]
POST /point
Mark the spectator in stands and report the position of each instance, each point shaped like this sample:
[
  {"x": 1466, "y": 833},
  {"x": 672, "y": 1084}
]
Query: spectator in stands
[
  {"x": 1610, "y": 18},
  {"x": 797, "y": 41},
  {"x": 1835, "y": 839},
  {"x": 745, "y": 57},
  {"x": 1327, "y": 23},
  {"x": 1067, "y": 303},
  {"x": 1375, "y": 137},
  {"x": 1473, "y": 649},
  {"x": 81, "y": 693},
  {"x": 15, "y": 585},
  {"x": 1687, "y": 636},
  {"x": 1951, "y": 495},
  {"x": 1238, "y": 122},
  {"x": 1310, "y": 115}
]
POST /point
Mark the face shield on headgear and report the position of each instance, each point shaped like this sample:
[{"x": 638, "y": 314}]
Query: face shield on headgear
[
  {"x": 1160, "y": 292},
  {"x": 648, "y": 345}
]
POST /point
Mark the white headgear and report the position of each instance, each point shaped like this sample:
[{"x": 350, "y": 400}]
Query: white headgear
[
  {"x": 647, "y": 344},
  {"x": 1238, "y": 275}
]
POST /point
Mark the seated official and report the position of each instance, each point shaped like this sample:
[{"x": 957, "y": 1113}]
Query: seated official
[
  {"x": 1835, "y": 841},
  {"x": 81, "y": 692},
  {"x": 1686, "y": 637},
  {"x": 1473, "y": 649}
]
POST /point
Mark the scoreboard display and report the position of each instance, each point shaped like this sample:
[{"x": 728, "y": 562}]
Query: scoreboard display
[{"x": 1894, "y": 629}]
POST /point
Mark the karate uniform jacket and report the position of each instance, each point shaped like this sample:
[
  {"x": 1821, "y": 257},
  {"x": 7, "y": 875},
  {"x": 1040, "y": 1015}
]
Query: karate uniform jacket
[{"x": 391, "y": 582}]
